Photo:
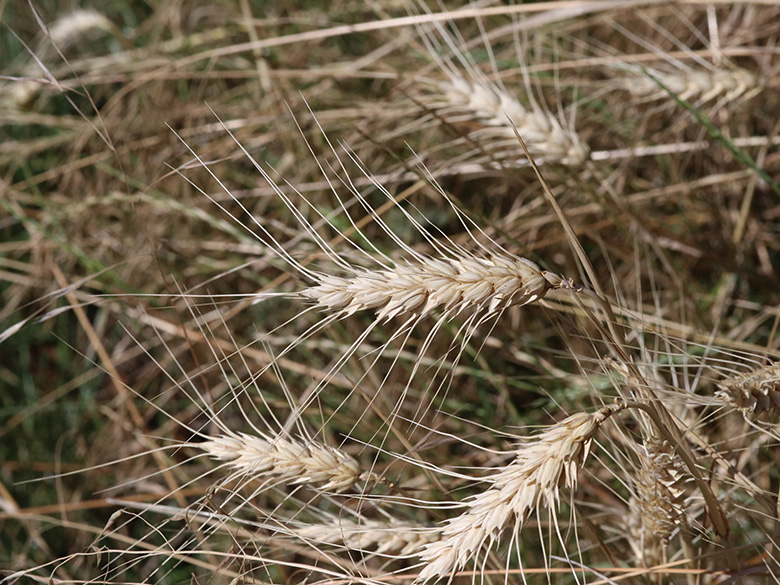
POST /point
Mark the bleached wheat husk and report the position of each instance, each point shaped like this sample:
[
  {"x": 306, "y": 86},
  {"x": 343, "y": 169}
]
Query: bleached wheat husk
[
  {"x": 488, "y": 285},
  {"x": 655, "y": 510},
  {"x": 391, "y": 538},
  {"x": 701, "y": 85},
  {"x": 552, "y": 460},
  {"x": 495, "y": 114},
  {"x": 755, "y": 393},
  {"x": 295, "y": 462}
]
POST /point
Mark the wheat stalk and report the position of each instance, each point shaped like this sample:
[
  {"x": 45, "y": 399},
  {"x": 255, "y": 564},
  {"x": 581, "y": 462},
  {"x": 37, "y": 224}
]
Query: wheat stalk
[
  {"x": 497, "y": 114},
  {"x": 755, "y": 393},
  {"x": 553, "y": 459},
  {"x": 298, "y": 463}
]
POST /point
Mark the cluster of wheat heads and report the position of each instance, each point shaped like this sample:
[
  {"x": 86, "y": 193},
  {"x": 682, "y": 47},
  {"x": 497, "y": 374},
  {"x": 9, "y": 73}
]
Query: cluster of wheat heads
[{"x": 451, "y": 372}]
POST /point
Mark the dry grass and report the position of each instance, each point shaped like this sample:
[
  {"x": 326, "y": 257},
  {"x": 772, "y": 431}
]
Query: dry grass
[{"x": 280, "y": 293}]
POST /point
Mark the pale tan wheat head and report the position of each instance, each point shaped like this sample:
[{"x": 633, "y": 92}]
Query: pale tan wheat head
[
  {"x": 552, "y": 460},
  {"x": 454, "y": 285},
  {"x": 390, "y": 538},
  {"x": 701, "y": 85},
  {"x": 65, "y": 32},
  {"x": 71, "y": 27},
  {"x": 655, "y": 509},
  {"x": 295, "y": 462},
  {"x": 754, "y": 393},
  {"x": 496, "y": 114}
]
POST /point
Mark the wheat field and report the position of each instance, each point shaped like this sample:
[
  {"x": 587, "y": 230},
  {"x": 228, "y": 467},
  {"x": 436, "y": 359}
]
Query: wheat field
[{"x": 389, "y": 292}]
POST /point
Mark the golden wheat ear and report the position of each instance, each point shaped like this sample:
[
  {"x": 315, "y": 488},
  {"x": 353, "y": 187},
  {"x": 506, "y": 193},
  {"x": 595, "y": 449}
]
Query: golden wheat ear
[
  {"x": 698, "y": 85},
  {"x": 419, "y": 287},
  {"x": 470, "y": 97},
  {"x": 693, "y": 79},
  {"x": 553, "y": 459},
  {"x": 656, "y": 508},
  {"x": 261, "y": 457},
  {"x": 754, "y": 393},
  {"x": 491, "y": 112},
  {"x": 392, "y": 537}
]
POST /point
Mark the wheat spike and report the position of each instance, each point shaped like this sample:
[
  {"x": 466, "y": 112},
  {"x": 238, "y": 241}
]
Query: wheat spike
[
  {"x": 61, "y": 34},
  {"x": 553, "y": 459},
  {"x": 655, "y": 509},
  {"x": 498, "y": 114},
  {"x": 288, "y": 459},
  {"x": 755, "y": 393},
  {"x": 393, "y": 537},
  {"x": 701, "y": 85},
  {"x": 69, "y": 28},
  {"x": 489, "y": 285}
]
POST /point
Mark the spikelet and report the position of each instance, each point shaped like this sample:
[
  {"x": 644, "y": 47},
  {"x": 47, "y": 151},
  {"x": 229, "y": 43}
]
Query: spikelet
[
  {"x": 487, "y": 285},
  {"x": 495, "y": 114},
  {"x": 656, "y": 507},
  {"x": 701, "y": 85},
  {"x": 553, "y": 459},
  {"x": 260, "y": 456},
  {"x": 394, "y": 537},
  {"x": 754, "y": 393}
]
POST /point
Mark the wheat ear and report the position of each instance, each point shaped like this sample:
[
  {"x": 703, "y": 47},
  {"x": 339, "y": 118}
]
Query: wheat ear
[
  {"x": 392, "y": 538},
  {"x": 69, "y": 28},
  {"x": 655, "y": 509},
  {"x": 753, "y": 393},
  {"x": 461, "y": 101},
  {"x": 701, "y": 85},
  {"x": 553, "y": 459},
  {"x": 487, "y": 285},
  {"x": 259, "y": 456},
  {"x": 60, "y": 35}
]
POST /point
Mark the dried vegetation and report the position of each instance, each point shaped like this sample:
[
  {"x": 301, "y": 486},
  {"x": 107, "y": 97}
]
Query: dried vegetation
[{"x": 285, "y": 300}]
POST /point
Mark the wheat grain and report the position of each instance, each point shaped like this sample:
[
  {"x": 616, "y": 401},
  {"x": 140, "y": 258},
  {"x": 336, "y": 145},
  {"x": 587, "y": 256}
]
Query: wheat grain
[
  {"x": 288, "y": 459},
  {"x": 553, "y": 459},
  {"x": 756, "y": 393},
  {"x": 497, "y": 113}
]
